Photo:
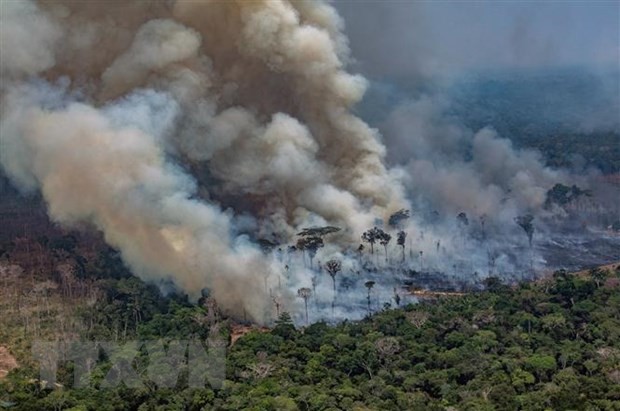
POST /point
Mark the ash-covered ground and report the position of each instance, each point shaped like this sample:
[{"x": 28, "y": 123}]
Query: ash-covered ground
[{"x": 576, "y": 252}]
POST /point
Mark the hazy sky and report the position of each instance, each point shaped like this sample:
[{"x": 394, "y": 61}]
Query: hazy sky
[{"x": 408, "y": 38}]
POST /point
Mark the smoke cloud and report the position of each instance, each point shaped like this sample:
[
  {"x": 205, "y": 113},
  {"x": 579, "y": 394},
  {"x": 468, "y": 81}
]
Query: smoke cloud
[
  {"x": 27, "y": 38},
  {"x": 186, "y": 131},
  {"x": 110, "y": 110},
  {"x": 454, "y": 169}
]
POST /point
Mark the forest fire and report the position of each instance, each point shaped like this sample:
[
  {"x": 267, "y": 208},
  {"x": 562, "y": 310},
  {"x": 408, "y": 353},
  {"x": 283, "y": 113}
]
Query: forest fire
[
  {"x": 228, "y": 157},
  {"x": 309, "y": 205}
]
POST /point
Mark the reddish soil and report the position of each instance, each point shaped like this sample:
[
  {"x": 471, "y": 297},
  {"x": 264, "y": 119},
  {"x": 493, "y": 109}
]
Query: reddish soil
[
  {"x": 239, "y": 330},
  {"x": 7, "y": 362},
  {"x": 435, "y": 294}
]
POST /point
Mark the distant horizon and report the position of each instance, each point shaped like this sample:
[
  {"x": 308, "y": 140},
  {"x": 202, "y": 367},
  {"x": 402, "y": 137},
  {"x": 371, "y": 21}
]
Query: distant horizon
[
  {"x": 583, "y": 97},
  {"x": 421, "y": 38}
]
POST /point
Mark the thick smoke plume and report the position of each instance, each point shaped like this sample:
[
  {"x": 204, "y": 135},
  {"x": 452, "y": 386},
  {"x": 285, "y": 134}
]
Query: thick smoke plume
[
  {"x": 161, "y": 123},
  {"x": 454, "y": 169},
  {"x": 188, "y": 132}
]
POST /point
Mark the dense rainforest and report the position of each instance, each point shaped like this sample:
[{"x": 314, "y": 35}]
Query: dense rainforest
[{"x": 553, "y": 344}]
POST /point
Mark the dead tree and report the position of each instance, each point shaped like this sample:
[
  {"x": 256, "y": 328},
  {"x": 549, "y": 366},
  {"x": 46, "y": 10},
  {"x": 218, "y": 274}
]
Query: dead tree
[
  {"x": 305, "y": 294},
  {"x": 386, "y": 348},
  {"x": 261, "y": 369},
  {"x": 417, "y": 318}
]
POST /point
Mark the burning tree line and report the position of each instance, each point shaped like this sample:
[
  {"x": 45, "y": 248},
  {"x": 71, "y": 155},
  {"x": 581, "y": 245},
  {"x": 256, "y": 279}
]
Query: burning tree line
[{"x": 311, "y": 240}]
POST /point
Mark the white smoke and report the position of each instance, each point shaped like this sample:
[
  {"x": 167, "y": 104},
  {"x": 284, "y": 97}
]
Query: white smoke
[
  {"x": 184, "y": 131},
  {"x": 108, "y": 109},
  {"x": 453, "y": 169},
  {"x": 27, "y": 39}
]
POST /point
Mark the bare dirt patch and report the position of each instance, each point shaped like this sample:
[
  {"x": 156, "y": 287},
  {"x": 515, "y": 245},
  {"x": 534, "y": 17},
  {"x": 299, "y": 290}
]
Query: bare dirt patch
[
  {"x": 239, "y": 330},
  {"x": 607, "y": 267},
  {"x": 7, "y": 362}
]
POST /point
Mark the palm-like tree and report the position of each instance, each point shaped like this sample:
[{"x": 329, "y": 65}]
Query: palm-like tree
[
  {"x": 311, "y": 244},
  {"x": 371, "y": 237},
  {"x": 333, "y": 267},
  {"x": 384, "y": 239},
  {"x": 525, "y": 222}
]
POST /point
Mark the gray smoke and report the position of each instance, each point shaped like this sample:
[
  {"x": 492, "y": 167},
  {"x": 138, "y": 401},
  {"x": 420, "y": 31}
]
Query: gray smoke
[
  {"x": 460, "y": 170},
  {"x": 107, "y": 108},
  {"x": 184, "y": 131}
]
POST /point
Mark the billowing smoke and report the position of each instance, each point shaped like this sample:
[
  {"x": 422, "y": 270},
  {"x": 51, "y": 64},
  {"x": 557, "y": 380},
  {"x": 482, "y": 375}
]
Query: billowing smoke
[
  {"x": 188, "y": 131},
  {"x": 168, "y": 124},
  {"x": 455, "y": 169}
]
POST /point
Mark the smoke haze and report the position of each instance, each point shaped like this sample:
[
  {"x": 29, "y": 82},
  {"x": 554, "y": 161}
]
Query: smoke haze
[
  {"x": 105, "y": 108},
  {"x": 185, "y": 131}
]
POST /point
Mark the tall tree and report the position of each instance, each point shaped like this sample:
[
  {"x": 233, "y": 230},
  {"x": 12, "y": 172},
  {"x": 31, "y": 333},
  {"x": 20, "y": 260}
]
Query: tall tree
[
  {"x": 333, "y": 267},
  {"x": 311, "y": 245},
  {"x": 375, "y": 235},
  {"x": 384, "y": 239},
  {"x": 305, "y": 294},
  {"x": 525, "y": 222},
  {"x": 401, "y": 237},
  {"x": 371, "y": 237},
  {"x": 301, "y": 245}
]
